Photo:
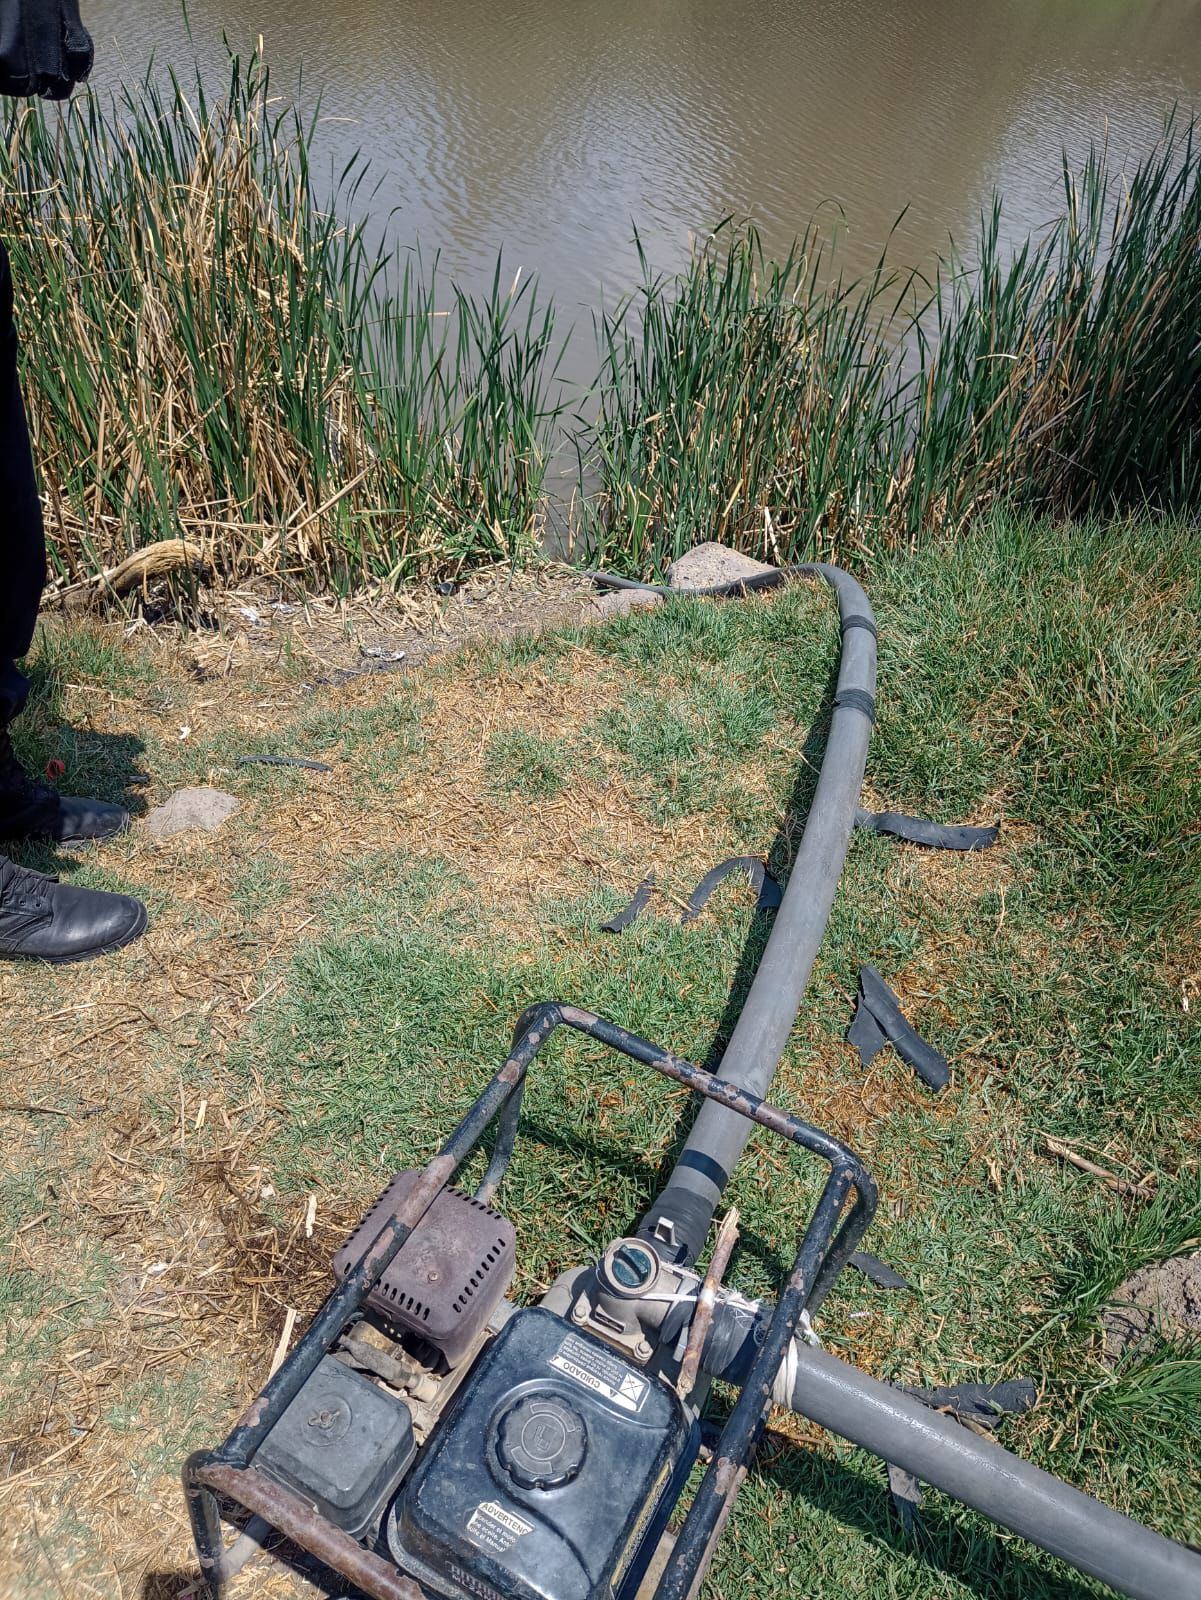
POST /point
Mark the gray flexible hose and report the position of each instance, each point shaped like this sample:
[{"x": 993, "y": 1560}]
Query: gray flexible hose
[
  {"x": 719, "y": 1136},
  {"x": 934, "y": 1448},
  {"x": 939, "y": 1451}
]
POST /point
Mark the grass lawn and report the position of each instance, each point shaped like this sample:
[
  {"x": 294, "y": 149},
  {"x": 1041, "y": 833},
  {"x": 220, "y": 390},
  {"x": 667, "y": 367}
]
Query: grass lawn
[{"x": 329, "y": 980}]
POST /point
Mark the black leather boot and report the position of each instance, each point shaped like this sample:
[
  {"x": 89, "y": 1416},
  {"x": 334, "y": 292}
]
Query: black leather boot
[
  {"x": 42, "y": 919},
  {"x": 33, "y": 810}
]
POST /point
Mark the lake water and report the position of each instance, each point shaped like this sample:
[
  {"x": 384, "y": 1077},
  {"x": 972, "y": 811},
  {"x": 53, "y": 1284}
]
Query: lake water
[{"x": 551, "y": 128}]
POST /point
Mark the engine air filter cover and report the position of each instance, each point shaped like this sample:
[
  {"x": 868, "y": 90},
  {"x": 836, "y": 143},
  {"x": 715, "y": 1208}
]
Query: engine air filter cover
[
  {"x": 343, "y": 1444},
  {"x": 450, "y": 1274}
]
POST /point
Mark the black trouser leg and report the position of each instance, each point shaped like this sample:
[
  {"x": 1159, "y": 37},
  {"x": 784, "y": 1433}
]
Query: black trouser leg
[{"x": 22, "y": 538}]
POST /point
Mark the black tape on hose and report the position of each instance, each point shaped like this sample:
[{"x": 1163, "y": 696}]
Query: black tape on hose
[
  {"x": 857, "y": 700},
  {"x": 934, "y": 835},
  {"x": 858, "y": 620},
  {"x": 879, "y": 1020}
]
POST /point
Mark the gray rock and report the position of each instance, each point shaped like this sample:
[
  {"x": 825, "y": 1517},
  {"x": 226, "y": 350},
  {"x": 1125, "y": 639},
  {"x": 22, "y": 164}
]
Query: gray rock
[
  {"x": 707, "y": 565},
  {"x": 620, "y": 602},
  {"x": 187, "y": 809}
]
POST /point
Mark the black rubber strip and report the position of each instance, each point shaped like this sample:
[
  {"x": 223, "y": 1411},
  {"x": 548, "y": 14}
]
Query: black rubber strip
[
  {"x": 858, "y": 620},
  {"x": 765, "y": 886},
  {"x": 979, "y": 1406},
  {"x": 283, "y": 761},
  {"x": 934, "y": 835},
  {"x": 877, "y": 1271},
  {"x": 879, "y": 1020},
  {"x": 637, "y": 905},
  {"x": 906, "y": 1494},
  {"x": 857, "y": 700},
  {"x": 982, "y": 1404}
]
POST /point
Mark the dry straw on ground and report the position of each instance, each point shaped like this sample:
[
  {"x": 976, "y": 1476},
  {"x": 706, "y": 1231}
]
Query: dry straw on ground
[{"x": 159, "y": 1165}]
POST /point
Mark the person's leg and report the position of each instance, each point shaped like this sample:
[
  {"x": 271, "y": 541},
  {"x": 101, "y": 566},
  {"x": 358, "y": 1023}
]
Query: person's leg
[
  {"x": 14, "y": 685},
  {"x": 28, "y": 809},
  {"x": 39, "y": 917},
  {"x": 23, "y": 543}
]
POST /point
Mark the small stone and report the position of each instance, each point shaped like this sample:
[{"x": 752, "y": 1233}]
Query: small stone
[
  {"x": 620, "y": 602},
  {"x": 708, "y": 565},
  {"x": 187, "y": 809}
]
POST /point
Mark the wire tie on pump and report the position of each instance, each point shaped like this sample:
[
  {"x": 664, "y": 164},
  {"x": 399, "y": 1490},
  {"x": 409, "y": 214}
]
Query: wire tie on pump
[
  {"x": 783, "y": 1389},
  {"x": 786, "y": 1376}
]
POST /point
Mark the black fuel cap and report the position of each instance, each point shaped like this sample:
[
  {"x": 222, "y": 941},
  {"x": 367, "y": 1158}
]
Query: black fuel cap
[{"x": 541, "y": 1441}]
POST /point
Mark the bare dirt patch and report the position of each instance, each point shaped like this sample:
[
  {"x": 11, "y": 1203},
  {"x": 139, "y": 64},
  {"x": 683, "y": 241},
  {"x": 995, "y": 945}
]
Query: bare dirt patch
[
  {"x": 325, "y": 638},
  {"x": 1156, "y": 1302}
]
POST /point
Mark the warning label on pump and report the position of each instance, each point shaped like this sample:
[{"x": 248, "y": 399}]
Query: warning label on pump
[
  {"x": 492, "y": 1527},
  {"x": 603, "y": 1374}
]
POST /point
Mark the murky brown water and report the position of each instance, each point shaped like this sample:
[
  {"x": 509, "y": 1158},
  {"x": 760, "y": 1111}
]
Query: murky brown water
[{"x": 552, "y": 127}]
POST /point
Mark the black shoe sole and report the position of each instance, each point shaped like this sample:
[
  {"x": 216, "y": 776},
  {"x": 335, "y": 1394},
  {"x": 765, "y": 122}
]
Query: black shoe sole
[
  {"x": 128, "y": 937},
  {"x": 78, "y": 842},
  {"x": 74, "y": 840}
]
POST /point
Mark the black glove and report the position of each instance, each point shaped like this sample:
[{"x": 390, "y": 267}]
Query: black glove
[{"x": 44, "y": 48}]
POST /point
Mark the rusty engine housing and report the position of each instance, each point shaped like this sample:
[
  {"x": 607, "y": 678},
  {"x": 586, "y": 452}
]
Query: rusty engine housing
[{"x": 449, "y": 1275}]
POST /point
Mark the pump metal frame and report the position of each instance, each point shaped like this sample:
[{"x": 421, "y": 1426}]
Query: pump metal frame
[{"x": 828, "y": 1242}]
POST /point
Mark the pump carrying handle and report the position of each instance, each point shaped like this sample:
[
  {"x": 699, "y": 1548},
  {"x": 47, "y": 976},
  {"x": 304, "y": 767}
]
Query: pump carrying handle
[{"x": 828, "y": 1243}]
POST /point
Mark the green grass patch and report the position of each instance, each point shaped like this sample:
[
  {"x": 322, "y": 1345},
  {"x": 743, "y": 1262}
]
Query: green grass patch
[
  {"x": 524, "y": 764},
  {"x": 1057, "y": 670},
  {"x": 679, "y": 744}
]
